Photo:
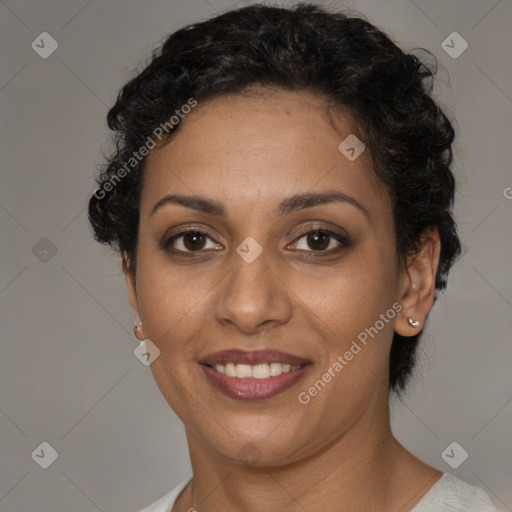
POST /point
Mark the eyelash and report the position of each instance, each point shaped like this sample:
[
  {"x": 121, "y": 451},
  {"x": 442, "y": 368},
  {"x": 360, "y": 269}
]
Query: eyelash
[{"x": 343, "y": 240}]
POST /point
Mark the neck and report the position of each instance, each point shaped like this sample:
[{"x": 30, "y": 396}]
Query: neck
[{"x": 364, "y": 468}]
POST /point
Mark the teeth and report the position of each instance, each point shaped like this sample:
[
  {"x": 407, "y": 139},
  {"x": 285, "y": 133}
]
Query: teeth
[
  {"x": 261, "y": 371},
  {"x": 243, "y": 371},
  {"x": 275, "y": 369},
  {"x": 256, "y": 371},
  {"x": 230, "y": 369}
]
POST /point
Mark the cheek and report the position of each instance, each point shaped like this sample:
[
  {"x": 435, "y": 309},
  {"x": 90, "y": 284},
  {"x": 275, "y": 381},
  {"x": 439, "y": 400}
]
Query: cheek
[
  {"x": 174, "y": 303},
  {"x": 353, "y": 322},
  {"x": 173, "y": 307},
  {"x": 353, "y": 317},
  {"x": 168, "y": 310},
  {"x": 353, "y": 295},
  {"x": 177, "y": 299}
]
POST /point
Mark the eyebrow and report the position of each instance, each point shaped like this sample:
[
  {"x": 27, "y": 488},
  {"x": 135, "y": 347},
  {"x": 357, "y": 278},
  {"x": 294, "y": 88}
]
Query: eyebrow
[{"x": 290, "y": 204}]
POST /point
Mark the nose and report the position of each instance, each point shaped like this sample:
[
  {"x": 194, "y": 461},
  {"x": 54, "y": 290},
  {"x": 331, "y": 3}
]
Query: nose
[{"x": 253, "y": 297}]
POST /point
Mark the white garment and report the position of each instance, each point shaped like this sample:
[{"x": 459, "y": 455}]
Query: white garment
[{"x": 448, "y": 494}]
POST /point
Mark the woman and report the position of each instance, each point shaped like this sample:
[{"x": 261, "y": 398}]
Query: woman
[{"x": 281, "y": 196}]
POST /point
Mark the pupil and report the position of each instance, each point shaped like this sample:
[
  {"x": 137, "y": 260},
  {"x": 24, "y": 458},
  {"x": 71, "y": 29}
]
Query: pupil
[
  {"x": 196, "y": 243},
  {"x": 313, "y": 239},
  {"x": 195, "y": 240}
]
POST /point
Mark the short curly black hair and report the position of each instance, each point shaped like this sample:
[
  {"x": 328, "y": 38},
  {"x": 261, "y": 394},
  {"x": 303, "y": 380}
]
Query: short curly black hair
[{"x": 338, "y": 56}]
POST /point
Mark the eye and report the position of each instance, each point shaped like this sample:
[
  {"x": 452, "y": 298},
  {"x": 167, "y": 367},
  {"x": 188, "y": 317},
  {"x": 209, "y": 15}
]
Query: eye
[
  {"x": 322, "y": 240},
  {"x": 192, "y": 240}
]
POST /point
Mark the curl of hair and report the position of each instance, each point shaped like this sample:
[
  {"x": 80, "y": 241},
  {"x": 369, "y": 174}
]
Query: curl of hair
[{"x": 342, "y": 57}]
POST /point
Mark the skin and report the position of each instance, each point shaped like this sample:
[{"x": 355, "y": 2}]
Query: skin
[{"x": 249, "y": 152}]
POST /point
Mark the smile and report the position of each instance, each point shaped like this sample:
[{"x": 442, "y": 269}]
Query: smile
[
  {"x": 256, "y": 371},
  {"x": 253, "y": 375}
]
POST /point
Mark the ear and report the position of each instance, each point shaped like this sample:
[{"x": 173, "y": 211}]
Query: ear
[
  {"x": 418, "y": 283},
  {"x": 131, "y": 290}
]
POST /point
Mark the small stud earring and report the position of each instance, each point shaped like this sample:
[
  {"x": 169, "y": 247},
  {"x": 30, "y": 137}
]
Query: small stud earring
[
  {"x": 412, "y": 322},
  {"x": 136, "y": 330}
]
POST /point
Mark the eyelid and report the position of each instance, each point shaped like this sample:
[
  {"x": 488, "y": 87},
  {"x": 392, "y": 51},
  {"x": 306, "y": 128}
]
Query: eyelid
[
  {"x": 342, "y": 239},
  {"x": 167, "y": 240},
  {"x": 324, "y": 229}
]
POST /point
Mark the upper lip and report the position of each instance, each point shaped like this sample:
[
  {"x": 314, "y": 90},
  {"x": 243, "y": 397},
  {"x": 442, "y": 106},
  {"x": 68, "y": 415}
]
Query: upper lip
[{"x": 238, "y": 356}]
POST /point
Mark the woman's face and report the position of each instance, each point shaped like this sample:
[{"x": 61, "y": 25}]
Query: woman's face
[{"x": 251, "y": 280}]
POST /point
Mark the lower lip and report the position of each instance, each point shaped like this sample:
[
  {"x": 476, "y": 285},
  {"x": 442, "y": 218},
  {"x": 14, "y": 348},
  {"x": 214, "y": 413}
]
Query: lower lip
[{"x": 253, "y": 389}]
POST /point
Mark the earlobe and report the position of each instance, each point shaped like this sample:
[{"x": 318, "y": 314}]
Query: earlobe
[{"x": 417, "y": 294}]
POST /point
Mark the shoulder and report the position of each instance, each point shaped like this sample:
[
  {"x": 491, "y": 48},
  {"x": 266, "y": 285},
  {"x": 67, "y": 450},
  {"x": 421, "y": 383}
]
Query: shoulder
[
  {"x": 165, "y": 503},
  {"x": 451, "y": 494}
]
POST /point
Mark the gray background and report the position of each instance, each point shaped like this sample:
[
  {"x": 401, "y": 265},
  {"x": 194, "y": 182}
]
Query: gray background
[{"x": 68, "y": 375}]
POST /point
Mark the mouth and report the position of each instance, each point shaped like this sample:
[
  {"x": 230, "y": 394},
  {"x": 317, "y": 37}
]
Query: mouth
[
  {"x": 256, "y": 371},
  {"x": 253, "y": 375}
]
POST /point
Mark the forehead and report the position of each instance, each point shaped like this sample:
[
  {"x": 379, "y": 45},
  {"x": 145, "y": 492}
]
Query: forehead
[{"x": 254, "y": 150}]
